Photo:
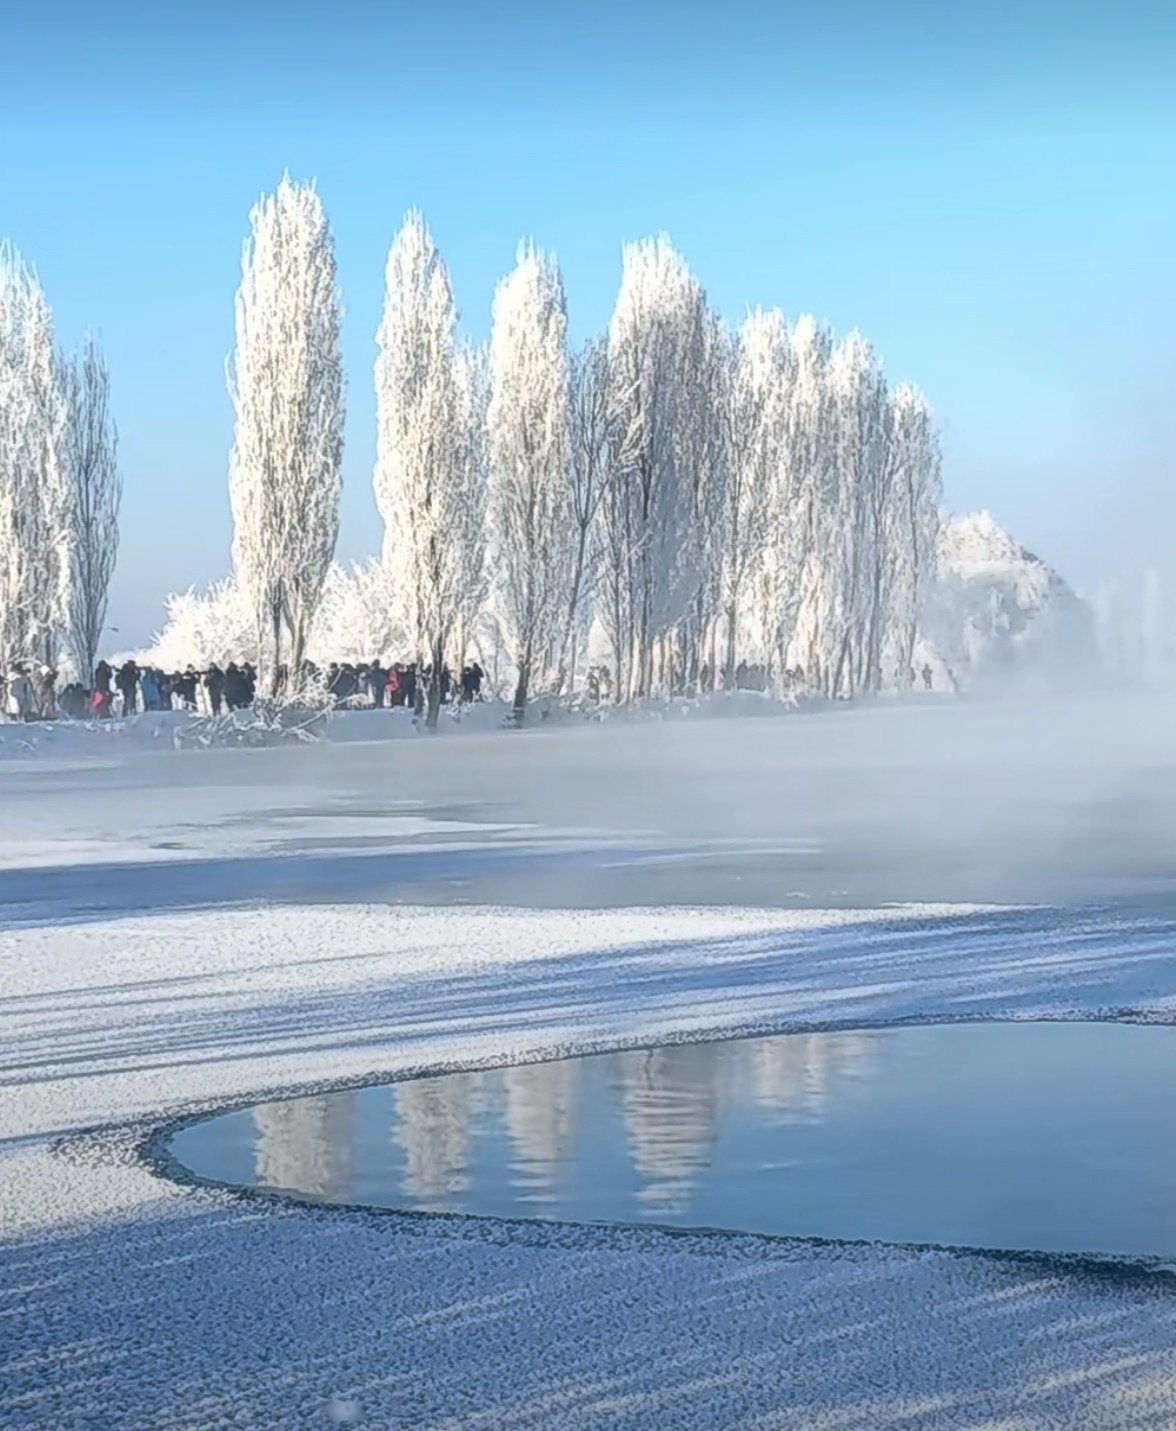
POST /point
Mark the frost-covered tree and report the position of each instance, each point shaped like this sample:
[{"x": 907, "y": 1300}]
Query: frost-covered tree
[
  {"x": 752, "y": 496},
  {"x": 34, "y": 531},
  {"x": 471, "y": 370},
  {"x": 858, "y": 412},
  {"x": 355, "y": 620},
  {"x": 657, "y": 355},
  {"x": 93, "y": 489},
  {"x": 916, "y": 492},
  {"x": 528, "y": 442},
  {"x": 287, "y": 388},
  {"x": 202, "y": 627},
  {"x": 706, "y": 435},
  {"x": 800, "y": 586},
  {"x": 589, "y": 447},
  {"x": 422, "y": 477}
]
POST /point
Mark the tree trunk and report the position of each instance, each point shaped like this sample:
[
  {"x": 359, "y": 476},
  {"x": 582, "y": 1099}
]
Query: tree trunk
[
  {"x": 297, "y": 656},
  {"x": 275, "y": 674},
  {"x": 729, "y": 665},
  {"x": 567, "y": 642},
  {"x": 520, "y": 695},
  {"x": 433, "y": 706}
]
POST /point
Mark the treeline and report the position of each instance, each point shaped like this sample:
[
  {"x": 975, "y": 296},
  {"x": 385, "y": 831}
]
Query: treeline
[
  {"x": 59, "y": 485},
  {"x": 702, "y": 496},
  {"x": 686, "y": 496}
]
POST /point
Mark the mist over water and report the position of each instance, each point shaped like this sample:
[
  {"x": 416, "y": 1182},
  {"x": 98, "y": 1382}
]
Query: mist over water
[
  {"x": 1066, "y": 798},
  {"x": 1050, "y": 799}
]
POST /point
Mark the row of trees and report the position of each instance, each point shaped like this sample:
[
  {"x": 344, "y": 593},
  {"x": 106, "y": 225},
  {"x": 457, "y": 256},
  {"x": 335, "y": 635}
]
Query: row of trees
[
  {"x": 701, "y": 497},
  {"x": 59, "y": 483}
]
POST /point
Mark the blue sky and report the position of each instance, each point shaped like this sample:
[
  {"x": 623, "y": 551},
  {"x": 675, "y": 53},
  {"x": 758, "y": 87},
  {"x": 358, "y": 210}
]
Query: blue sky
[{"x": 985, "y": 189}]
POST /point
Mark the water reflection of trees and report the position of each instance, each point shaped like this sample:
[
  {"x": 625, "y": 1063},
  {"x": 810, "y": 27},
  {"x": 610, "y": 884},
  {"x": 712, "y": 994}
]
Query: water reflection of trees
[
  {"x": 674, "y": 1099},
  {"x": 307, "y": 1145},
  {"x": 540, "y": 1103},
  {"x": 670, "y": 1099},
  {"x": 794, "y": 1076},
  {"x": 674, "y": 1103},
  {"x": 432, "y": 1127}
]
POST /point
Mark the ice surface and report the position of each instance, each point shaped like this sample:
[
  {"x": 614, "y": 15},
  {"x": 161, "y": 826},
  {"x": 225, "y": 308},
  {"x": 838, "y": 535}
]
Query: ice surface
[{"x": 182, "y": 928}]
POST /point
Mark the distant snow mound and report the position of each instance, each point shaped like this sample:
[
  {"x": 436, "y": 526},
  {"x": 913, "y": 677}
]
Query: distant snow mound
[{"x": 1001, "y": 615}]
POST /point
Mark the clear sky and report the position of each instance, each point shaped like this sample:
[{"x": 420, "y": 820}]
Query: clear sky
[{"x": 987, "y": 189}]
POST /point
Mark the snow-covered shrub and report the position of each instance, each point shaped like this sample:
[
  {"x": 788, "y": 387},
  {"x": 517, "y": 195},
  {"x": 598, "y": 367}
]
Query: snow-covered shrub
[
  {"x": 354, "y": 623},
  {"x": 1001, "y": 615},
  {"x": 355, "y": 620},
  {"x": 203, "y": 627},
  {"x": 298, "y": 718}
]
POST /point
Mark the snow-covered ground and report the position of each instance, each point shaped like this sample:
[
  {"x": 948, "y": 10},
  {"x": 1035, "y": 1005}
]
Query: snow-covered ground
[{"x": 183, "y": 928}]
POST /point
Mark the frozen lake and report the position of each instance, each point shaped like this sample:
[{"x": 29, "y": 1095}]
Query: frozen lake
[{"x": 1046, "y": 1136}]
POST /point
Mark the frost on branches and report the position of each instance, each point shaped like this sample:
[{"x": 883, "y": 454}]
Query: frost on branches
[
  {"x": 531, "y": 541},
  {"x": 427, "y": 405},
  {"x": 1000, "y": 616},
  {"x": 672, "y": 509},
  {"x": 649, "y": 512},
  {"x": 751, "y": 543},
  {"x": 94, "y": 490},
  {"x": 354, "y": 622},
  {"x": 287, "y": 389},
  {"x": 34, "y": 507}
]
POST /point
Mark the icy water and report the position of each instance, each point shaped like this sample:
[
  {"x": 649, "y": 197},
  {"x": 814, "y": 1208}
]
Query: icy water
[{"x": 1056, "y": 1137}]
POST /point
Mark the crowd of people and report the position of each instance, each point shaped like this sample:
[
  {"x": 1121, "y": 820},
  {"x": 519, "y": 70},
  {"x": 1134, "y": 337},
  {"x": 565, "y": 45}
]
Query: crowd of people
[
  {"x": 399, "y": 684},
  {"x": 30, "y": 692}
]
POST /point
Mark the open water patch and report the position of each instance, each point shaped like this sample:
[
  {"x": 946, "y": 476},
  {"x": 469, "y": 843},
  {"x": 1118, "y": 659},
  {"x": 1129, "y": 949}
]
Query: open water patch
[{"x": 1042, "y": 1137}]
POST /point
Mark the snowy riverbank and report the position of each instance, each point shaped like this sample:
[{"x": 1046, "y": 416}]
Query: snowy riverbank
[{"x": 179, "y": 932}]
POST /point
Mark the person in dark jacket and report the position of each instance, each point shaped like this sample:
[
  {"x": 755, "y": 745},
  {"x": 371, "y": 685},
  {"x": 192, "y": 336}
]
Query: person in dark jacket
[
  {"x": 408, "y": 685},
  {"x": 377, "y": 678},
  {"x": 127, "y": 681},
  {"x": 214, "y": 684},
  {"x": 234, "y": 688},
  {"x": 184, "y": 684}
]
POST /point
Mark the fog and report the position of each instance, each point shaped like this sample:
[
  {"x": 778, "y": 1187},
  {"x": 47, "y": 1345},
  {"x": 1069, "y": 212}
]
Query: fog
[{"x": 1045, "y": 800}]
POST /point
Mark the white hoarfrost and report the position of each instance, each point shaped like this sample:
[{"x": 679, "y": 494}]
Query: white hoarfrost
[
  {"x": 531, "y": 539},
  {"x": 286, "y": 383},
  {"x": 468, "y": 533},
  {"x": 657, "y": 344},
  {"x": 424, "y": 407},
  {"x": 589, "y": 429},
  {"x": 93, "y": 483},
  {"x": 1000, "y": 615},
  {"x": 913, "y": 516},
  {"x": 690, "y": 508},
  {"x": 34, "y": 527},
  {"x": 754, "y": 511}
]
